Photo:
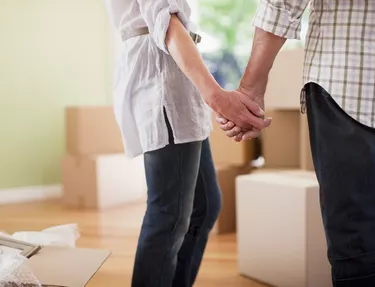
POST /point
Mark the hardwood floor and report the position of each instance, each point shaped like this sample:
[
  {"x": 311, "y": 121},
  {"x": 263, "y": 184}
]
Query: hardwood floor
[{"x": 117, "y": 230}]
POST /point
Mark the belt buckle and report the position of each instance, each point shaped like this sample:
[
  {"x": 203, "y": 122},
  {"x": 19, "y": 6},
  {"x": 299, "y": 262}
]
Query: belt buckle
[{"x": 195, "y": 37}]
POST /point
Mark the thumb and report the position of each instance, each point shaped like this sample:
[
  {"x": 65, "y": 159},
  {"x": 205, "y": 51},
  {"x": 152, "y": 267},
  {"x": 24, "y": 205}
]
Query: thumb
[{"x": 252, "y": 106}]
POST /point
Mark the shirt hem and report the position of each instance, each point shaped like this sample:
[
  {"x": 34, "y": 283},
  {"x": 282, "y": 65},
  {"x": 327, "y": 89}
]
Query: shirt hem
[
  {"x": 339, "y": 101},
  {"x": 163, "y": 145}
]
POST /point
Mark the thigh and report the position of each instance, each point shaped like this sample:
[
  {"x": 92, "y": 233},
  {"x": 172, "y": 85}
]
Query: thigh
[
  {"x": 171, "y": 175},
  {"x": 344, "y": 158},
  {"x": 207, "y": 199},
  {"x": 172, "y": 172}
]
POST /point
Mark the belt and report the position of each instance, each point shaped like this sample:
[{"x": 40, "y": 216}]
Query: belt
[{"x": 144, "y": 31}]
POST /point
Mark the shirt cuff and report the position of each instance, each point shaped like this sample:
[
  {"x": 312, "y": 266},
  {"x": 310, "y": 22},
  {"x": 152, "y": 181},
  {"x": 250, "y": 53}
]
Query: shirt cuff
[
  {"x": 277, "y": 21},
  {"x": 162, "y": 23}
]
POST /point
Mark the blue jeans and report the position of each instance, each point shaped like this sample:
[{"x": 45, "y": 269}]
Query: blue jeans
[
  {"x": 184, "y": 201},
  {"x": 344, "y": 158}
]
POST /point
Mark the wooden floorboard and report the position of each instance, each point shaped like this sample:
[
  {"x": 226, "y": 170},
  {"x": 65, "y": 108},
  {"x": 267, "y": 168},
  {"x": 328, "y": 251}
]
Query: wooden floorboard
[{"x": 117, "y": 229}]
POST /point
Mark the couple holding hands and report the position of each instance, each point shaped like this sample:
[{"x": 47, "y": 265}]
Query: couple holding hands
[{"x": 164, "y": 95}]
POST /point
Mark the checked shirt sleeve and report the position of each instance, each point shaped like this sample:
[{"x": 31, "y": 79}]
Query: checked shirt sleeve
[{"x": 281, "y": 17}]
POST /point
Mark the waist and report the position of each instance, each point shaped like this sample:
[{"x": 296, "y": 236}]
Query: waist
[{"x": 126, "y": 35}]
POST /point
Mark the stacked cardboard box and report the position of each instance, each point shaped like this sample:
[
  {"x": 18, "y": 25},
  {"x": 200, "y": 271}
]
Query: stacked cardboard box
[
  {"x": 306, "y": 161},
  {"x": 226, "y": 175},
  {"x": 284, "y": 82},
  {"x": 286, "y": 143},
  {"x": 95, "y": 172},
  {"x": 279, "y": 225},
  {"x": 231, "y": 159},
  {"x": 280, "y": 142},
  {"x": 225, "y": 151},
  {"x": 92, "y": 130},
  {"x": 280, "y": 232}
]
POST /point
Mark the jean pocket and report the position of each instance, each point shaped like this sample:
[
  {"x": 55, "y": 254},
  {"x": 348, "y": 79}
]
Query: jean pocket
[{"x": 354, "y": 268}]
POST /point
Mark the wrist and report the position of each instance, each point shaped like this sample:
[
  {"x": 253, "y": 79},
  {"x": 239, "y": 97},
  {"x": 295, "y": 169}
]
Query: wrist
[
  {"x": 255, "y": 80},
  {"x": 256, "y": 91},
  {"x": 210, "y": 94}
]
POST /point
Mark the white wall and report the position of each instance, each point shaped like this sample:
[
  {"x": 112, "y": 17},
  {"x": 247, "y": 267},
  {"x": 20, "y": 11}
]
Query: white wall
[{"x": 54, "y": 53}]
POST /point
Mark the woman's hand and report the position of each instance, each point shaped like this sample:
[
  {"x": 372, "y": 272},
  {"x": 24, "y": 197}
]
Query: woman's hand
[
  {"x": 231, "y": 130},
  {"x": 234, "y": 132}
]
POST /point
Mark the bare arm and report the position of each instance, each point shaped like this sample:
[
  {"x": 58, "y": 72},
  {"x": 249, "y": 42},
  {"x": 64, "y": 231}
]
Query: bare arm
[
  {"x": 185, "y": 53},
  {"x": 233, "y": 104},
  {"x": 275, "y": 22},
  {"x": 266, "y": 46},
  {"x": 254, "y": 81},
  {"x": 167, "y": 21}
]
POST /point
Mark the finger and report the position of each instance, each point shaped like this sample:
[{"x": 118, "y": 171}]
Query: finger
[
  {"x": 251, "y": 120},
  {"x": 250, "y": 135},
  {"x": 220, "y": 119},
  {"x": 233, "y": 132},
  {"x": 238, "y": 137},
  {"x": 227, "y": 127},
  {"x": 252, "y": 106}
]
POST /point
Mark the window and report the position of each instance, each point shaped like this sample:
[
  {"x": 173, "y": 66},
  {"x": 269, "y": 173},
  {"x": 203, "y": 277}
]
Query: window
[{"x": 227, "y": 33}]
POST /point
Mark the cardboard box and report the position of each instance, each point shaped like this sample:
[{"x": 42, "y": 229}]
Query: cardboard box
[
  {"x": 225, "y": 151},
  {"x": 92, "y": 130},
  {"x": 281, "y": 141},
  {"x": 226, "y": 175},
  {"x": 102, "y": 181},
  {"x": 66, "y": 267},
  {"x": 280, "y": 232},
  {"x": 306, "y": 156},
  {"x": 285, "y": 80}
]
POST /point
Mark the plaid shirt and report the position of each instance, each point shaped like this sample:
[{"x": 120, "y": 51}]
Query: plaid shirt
[{"x": 340, "y": 47}]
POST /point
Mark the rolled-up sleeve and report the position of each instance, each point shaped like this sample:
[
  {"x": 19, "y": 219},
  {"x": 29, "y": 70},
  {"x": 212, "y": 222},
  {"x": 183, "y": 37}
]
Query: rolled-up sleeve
[
  {"x": 281, "y": 17},
  {"x": 157, "y": 15}
]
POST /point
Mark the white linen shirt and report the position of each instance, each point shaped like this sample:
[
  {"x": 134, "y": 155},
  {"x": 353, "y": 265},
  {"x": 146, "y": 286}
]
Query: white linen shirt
[{"x": 148, "y": 80}]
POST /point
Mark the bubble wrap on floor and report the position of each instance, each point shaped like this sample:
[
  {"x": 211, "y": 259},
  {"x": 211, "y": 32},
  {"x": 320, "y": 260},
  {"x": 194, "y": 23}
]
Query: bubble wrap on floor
[{"x": 14, "y": 272}]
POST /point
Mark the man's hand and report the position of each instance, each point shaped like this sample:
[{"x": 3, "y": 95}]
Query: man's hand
[
  {"x": 241, "y": 110},
  {"x": 254, "y": 81},
  {"x": 232, "y": 130}
]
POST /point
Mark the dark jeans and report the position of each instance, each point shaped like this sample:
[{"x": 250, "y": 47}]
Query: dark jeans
[
  {"x": 344, "y": 158},
  {"x": 183, "y": 204}
]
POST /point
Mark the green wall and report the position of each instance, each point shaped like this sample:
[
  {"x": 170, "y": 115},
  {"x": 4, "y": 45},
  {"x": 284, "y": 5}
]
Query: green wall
[{"x": 53, "y": 53}]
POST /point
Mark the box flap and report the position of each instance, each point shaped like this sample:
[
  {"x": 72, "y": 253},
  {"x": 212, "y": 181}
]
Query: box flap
[
  {"x": 282, "y": 179},
  {"x": 66, "y": 267}
]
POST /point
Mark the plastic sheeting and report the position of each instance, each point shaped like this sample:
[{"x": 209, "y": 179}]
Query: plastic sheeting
[{"x": 13, "y": 271}]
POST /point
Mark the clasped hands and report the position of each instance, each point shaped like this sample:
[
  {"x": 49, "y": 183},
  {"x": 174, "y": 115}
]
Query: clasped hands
[{"x": 240, "y": 113}]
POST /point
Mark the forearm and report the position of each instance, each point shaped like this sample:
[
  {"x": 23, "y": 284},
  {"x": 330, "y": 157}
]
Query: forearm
[
  {"x": 186, "y": 55},
  {"x": 266, "y": 46}
]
